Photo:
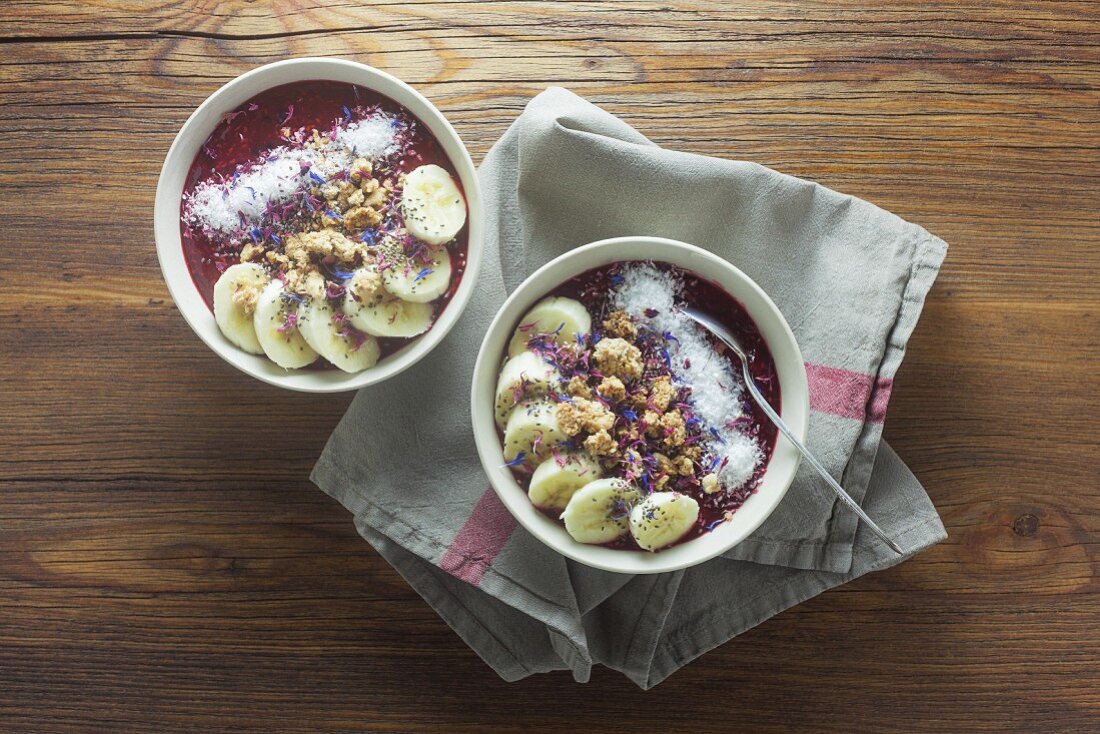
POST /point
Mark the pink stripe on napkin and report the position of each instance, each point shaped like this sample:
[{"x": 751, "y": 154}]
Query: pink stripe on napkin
[
  {"x": 481, "y": 538},
  {"x": 848, "y": 394}
]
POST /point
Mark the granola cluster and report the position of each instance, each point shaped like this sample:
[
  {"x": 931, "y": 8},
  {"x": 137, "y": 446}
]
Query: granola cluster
[
  {"x": 245, "y": 296},
  {"x": 620, "y": 405},
  {"x": 617, "y": 357},
  {"x": 331, "y": 237}
]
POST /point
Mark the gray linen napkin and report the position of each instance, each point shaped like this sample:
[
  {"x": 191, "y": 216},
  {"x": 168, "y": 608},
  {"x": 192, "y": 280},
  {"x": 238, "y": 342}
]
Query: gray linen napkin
[{"x": 850, "y": 279}]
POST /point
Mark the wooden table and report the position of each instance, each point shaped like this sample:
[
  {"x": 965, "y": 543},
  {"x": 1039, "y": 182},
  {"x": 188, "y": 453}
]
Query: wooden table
[{"x": 165, "y": 564}]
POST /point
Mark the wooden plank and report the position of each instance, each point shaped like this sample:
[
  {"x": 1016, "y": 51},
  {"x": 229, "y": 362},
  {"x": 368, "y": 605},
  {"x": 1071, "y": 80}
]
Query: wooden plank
[{"x": 164, "y": 561}]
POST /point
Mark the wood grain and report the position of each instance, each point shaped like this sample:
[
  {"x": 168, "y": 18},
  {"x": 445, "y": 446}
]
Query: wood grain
[{"x": 165, "y": 563}]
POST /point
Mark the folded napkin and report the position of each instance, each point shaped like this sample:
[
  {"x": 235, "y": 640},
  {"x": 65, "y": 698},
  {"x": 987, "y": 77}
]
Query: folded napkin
[{"x": 850, "y": 279}]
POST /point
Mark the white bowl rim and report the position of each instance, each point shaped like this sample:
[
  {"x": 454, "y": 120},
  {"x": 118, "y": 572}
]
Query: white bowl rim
[
  {"x": 794, "y": 407},
  {"x": 169, "y": 243}
]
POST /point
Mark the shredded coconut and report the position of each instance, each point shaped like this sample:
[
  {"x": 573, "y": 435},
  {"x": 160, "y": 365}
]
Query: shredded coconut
[
  {"x": 371, "y": 138},
  {"x": 226, "y": 206},
  {"x": 649, "y": 296},
  {"x": 242, "y": 201}
]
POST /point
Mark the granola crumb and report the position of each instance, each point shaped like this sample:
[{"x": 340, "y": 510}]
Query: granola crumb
[
  {"x": 306, "y": 282},
  {"x": 664, "y": 464},
  {"x": 376, "y": 198},
  {"x": 306, "y": 247},
  {"x": 278, "y": 259},
  {"x": 684, "y": 466},
  {"x": 361, "y": 216},
  {"x": 600, "y": 444},
  {"x": 710, "y": 483},
  {"x": 617, "y": 357},
  {"x": 675, "y": 432},
  {"x": 613, "y": 389},
  {"x": 638, "y": 400},
  {"x": 245, "y": 297},
  {"x": 578, "y": 388},
  {"x": 345, "y": 191},
  {"x": 584, "y": 415},
  {"x": 661, "y": 393},
  {"x": 315, "y": 284},
  {"x": 680, "y": 466},
  {"x": 619, "y": 324},
  {"x": 632, "y": 461},
  {"x": 569, "y": 419},
  {"x": 366, "y": 284},
  {"x": 251, "y": 252},
  {"x": 360, "y": 168}
]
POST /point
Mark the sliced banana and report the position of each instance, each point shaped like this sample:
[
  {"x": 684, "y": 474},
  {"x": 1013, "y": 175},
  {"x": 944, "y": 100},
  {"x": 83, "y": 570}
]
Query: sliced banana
[
  {"x": 599, "y": 512},
  {"x": 533, "y": 429},
  {"x": 235, "y": 297},
  {"x": 662, "y": 518},
  {"x": 275, "y": 321},
  {"x": 414, "y": 281},
  {"x": 557, "y": 315},
  {"x": 389, "y": 316},
  {"x": 557, "y": 479},
  {"x": 432, "y": 205},
  {"x": 331, "y": 340},
  {"x": 523, "y": 376}
]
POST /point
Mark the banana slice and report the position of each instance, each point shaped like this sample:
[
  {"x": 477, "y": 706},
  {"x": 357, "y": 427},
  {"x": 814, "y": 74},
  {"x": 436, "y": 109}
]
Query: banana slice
[
  {"x": 389, "y": 316},
  {"x": 532, "y": 429},
  {"x": 419, "y": 283},
  {"x": 235, "y": 297},
  {"x": 555, "y": 481},
  {"x": 523, "y": 376},
  {"x": 333, "y": 341},
  {"x": 432, "y": 205},
  {"x": 564, "y": 317},
  {"x": 599, "y": 512},
  {"x": 276, "y": 324},
  {"x": 662, "y": 518}
]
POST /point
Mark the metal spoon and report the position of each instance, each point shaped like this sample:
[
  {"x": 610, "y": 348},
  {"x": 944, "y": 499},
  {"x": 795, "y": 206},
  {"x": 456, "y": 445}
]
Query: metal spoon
[{"x": 730, "y": 341}]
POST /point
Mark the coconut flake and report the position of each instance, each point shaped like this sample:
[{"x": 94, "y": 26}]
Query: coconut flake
[
  {"x": 374, "y": 137},
  {"x": 741, "y": 456}
]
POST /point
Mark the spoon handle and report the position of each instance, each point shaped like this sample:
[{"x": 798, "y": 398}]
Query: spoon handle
[{"x": 844, "y": 496}]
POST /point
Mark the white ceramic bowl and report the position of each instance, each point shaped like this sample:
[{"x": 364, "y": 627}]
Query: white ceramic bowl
[
  {"x": 794, "y": 395},
  {"x": 166, "y": 218}
]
